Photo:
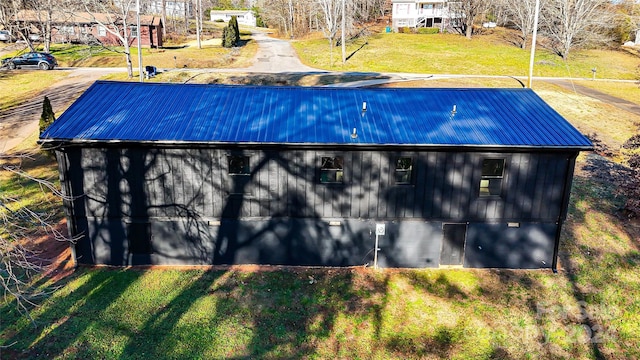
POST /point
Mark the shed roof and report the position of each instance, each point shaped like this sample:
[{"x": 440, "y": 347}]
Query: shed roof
[{"x": 214, "y": 114}]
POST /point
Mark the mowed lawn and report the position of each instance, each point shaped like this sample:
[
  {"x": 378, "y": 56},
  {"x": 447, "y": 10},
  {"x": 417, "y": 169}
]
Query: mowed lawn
[
  {"x": 492, "y": 53},
  {"x": 590, "y": 309}
]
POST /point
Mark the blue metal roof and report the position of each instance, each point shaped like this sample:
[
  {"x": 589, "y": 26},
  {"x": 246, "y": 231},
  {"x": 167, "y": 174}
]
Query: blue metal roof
[{"x": 176, "y": 113}]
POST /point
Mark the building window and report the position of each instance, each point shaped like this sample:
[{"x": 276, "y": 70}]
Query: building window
[
  {"x": 492, "y": 175},
  {"x": 67, "y": 30},
  {"x": 102, "y": 31},
  {"x": 238, "y": 165},
  {"x": 404, "y": 171},
  {"x": 134, "y": 31},
  {"x": 332, "y": 170}
]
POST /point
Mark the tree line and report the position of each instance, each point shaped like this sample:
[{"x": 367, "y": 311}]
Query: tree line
[{"x": 563, "y": 24}]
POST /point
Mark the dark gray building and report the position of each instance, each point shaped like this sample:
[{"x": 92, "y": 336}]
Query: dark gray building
[{"x": 204, "y": 174}]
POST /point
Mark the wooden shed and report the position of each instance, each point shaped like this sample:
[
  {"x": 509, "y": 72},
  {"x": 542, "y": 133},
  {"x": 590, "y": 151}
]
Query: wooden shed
[{"x": 212, "y": 174}]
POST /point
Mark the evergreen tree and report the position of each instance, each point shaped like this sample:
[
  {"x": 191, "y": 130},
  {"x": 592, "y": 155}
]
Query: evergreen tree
[
  {"x": 227, "y": 39},
  {"x": 231, "y": 33},
  {"x": 48, "y": 116},
  {"x": 233, "y": 24}
]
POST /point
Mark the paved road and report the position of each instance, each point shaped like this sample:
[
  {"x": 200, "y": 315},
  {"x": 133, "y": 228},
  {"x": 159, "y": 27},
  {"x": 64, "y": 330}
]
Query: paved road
[
  {"x": 275, "y": 56},
  {"x": 583, "y": 90}
]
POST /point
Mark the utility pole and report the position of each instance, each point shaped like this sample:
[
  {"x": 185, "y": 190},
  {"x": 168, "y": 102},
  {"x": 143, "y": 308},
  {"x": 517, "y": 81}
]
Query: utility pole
[
  {"x": 199, "y": 21},
  {"x": 344, "y": 22},
  {"x": 533, "y": 43},
  {"x": 138, "y": 38}
]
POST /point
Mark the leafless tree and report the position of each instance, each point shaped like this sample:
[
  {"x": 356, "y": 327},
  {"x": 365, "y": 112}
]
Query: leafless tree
[
  {"x": 521, "y": 14},
  {"x": 29, "y": 18},
  {"x": 18, "y": 222},
  {"x": 299, "y": 17},
  {"x": 330, "y": 23},
  {"x": 116, "y": 20},
  {"x": 466, "y": 13},
  {"x": 575, "y": 23}
]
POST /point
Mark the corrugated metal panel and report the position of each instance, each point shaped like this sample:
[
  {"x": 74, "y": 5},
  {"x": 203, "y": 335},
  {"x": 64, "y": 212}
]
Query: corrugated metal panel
[{"x": 306, "y": 115}]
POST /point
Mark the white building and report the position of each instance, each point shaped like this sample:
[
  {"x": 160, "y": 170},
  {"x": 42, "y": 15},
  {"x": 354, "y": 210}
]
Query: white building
[
  {"x": 420, "y": 13},
  {"x": 245, "y": 17}
]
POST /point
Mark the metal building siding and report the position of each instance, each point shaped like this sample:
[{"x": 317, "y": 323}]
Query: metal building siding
[
  {"x": 295, "y": 115},
  {"x": 166, "y": 183}
]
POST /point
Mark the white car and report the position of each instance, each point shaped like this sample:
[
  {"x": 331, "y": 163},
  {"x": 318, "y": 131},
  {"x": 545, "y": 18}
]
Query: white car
[{"x": 5, "y": 35}]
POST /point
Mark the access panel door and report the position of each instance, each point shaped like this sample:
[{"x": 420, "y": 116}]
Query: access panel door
[{"x": 453, "y": 239}]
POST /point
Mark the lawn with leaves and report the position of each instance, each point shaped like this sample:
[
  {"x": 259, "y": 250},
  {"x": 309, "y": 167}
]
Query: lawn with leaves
[{"x": 492, "y": 53}]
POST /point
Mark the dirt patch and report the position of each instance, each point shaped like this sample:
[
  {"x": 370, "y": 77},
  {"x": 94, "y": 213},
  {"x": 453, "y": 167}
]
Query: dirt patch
[{"x": 54, "y": 256}]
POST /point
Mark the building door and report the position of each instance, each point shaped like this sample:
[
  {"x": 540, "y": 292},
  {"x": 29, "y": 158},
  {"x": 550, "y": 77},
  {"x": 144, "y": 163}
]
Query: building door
[{"x": 453, "y": 240}]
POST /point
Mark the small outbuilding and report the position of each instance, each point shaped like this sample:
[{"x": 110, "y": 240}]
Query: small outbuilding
[{"x": 213, "y": 174}]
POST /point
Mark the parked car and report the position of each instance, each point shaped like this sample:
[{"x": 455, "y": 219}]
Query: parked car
[
  {"x": 40, "y": 60},
  {"x": 5, "y": 35}
]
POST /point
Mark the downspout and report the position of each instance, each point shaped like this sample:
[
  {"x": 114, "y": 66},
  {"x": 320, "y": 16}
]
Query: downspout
[{"x": 566, "y": 193}]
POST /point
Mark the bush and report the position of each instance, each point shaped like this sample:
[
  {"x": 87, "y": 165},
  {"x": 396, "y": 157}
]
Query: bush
[
  {"x": 404, "y": 30},
  {"x": 48, "y": 116},
  {"x": 231, "y": 33},
  {"x": 428, "y": 30}
]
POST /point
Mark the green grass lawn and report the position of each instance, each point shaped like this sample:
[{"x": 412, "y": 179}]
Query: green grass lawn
[
  {"x": 589, "y": 310},
  {"x": 24, "y": 84},
  {"x": 490, "y": 54}
]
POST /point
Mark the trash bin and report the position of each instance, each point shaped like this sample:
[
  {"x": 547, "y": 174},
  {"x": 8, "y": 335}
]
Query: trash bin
[
  {"x": 150, "y": 71},
  {"x": 388, "y": 29}
]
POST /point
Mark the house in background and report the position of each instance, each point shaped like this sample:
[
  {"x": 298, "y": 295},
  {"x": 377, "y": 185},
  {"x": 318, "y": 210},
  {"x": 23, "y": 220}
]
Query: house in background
[
  {"x": 209, "y": 174},
  {"x": 420, "y": 13},
  {"x": 245, "y": 17},
  {"x": 83, "y": 27}
]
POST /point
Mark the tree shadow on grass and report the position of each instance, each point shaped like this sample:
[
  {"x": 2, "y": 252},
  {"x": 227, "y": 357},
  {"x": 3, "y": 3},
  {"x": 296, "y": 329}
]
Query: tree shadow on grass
[{"x": 66, "y": 316}]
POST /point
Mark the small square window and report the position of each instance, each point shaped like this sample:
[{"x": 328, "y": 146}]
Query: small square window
[
  {"x": 332, "y": 170},
  {"x": 102, "y": 31},
  {"x": 134, "y": 31},
  {"x": 492, "y": 175},
  {"x": 403, "y": 171},
  {"x": 238, "y": 165}
]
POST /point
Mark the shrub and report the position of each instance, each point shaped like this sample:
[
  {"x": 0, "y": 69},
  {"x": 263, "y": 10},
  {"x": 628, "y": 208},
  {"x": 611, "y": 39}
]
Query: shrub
[
  {"x": 428, "y": 30},
  {"x": 231, "y": 33},
  {"x": 404, "y": 30},
  {"x": 233, "y": 24},
  {"x": 48, "y": 116}
]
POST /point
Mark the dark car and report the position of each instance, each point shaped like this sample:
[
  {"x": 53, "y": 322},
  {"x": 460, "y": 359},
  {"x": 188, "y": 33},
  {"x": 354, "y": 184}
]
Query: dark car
[{"x": 43, "y": 61}]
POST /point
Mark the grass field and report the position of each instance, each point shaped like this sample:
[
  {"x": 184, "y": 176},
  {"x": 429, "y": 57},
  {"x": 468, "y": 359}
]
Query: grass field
[
  {"x": 24, "y": 84},
  {"x": 489, "y": 54},
  {"x": 587, "y": 311}
]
